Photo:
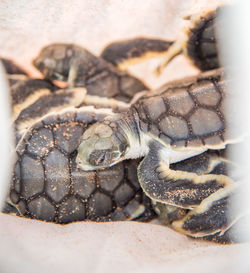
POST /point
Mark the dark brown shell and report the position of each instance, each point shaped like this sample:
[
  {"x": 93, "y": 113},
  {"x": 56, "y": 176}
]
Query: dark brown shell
[
  {"x": 187, "y": 113},
  {"x": 47, "y": 184},
  {"x": 98, "y": 76}
]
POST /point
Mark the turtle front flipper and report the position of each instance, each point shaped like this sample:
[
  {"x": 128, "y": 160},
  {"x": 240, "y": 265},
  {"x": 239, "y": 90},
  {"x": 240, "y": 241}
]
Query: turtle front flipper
[
  {"x": 41, "y": 103},
  {"x": 211, "y": 217},
  {"x": 216, "y": 219},
  {"x": 175, "y": 187},
  {"x": 127, "y": 52}
]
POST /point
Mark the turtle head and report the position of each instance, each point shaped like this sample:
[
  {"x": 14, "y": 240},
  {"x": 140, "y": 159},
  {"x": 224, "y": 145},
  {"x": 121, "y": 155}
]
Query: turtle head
[
  {"x": 102, "y": 145},
  {"x": 54, "y": 61}
]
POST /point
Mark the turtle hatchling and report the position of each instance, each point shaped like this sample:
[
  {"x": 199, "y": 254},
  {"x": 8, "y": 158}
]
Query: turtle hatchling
[
  {"x": 80, "y": 68},
  {"x": 48, "y": 185},
  {"x": 179, "y": 120},
  {"x": 199, "y": 44}
]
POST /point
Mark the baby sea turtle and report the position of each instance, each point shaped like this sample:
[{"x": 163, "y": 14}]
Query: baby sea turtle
[
  {"x": 178, "y": 121},
  {"x": 199, "y": 45},
  {"x": 80, "y": 68},
  {"x": 48, "y": 185}
]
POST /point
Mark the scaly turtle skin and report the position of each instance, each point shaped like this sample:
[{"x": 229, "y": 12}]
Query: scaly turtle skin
[
  {"x": 47, "y": 184},
  {"x": 178, "y": 121},
  {"x": 80, "y": 68},
  {"x": 199, "y": 45}
]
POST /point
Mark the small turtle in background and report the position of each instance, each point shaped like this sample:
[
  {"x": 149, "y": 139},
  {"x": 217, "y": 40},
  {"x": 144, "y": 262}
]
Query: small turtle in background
[
  {"x": 80, "y": 68},
  {"x": 199, "y": 45}
]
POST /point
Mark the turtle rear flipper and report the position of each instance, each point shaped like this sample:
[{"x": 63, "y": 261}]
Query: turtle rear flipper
[{"x": 209, "y": 218}]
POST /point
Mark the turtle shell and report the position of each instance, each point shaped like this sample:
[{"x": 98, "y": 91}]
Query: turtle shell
[
  {"x": 48, "y": 185},
  {"x": 187, "y": 113},
  {"x": 80, "y": 68},
  {"x": 201, "y": 44}
]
